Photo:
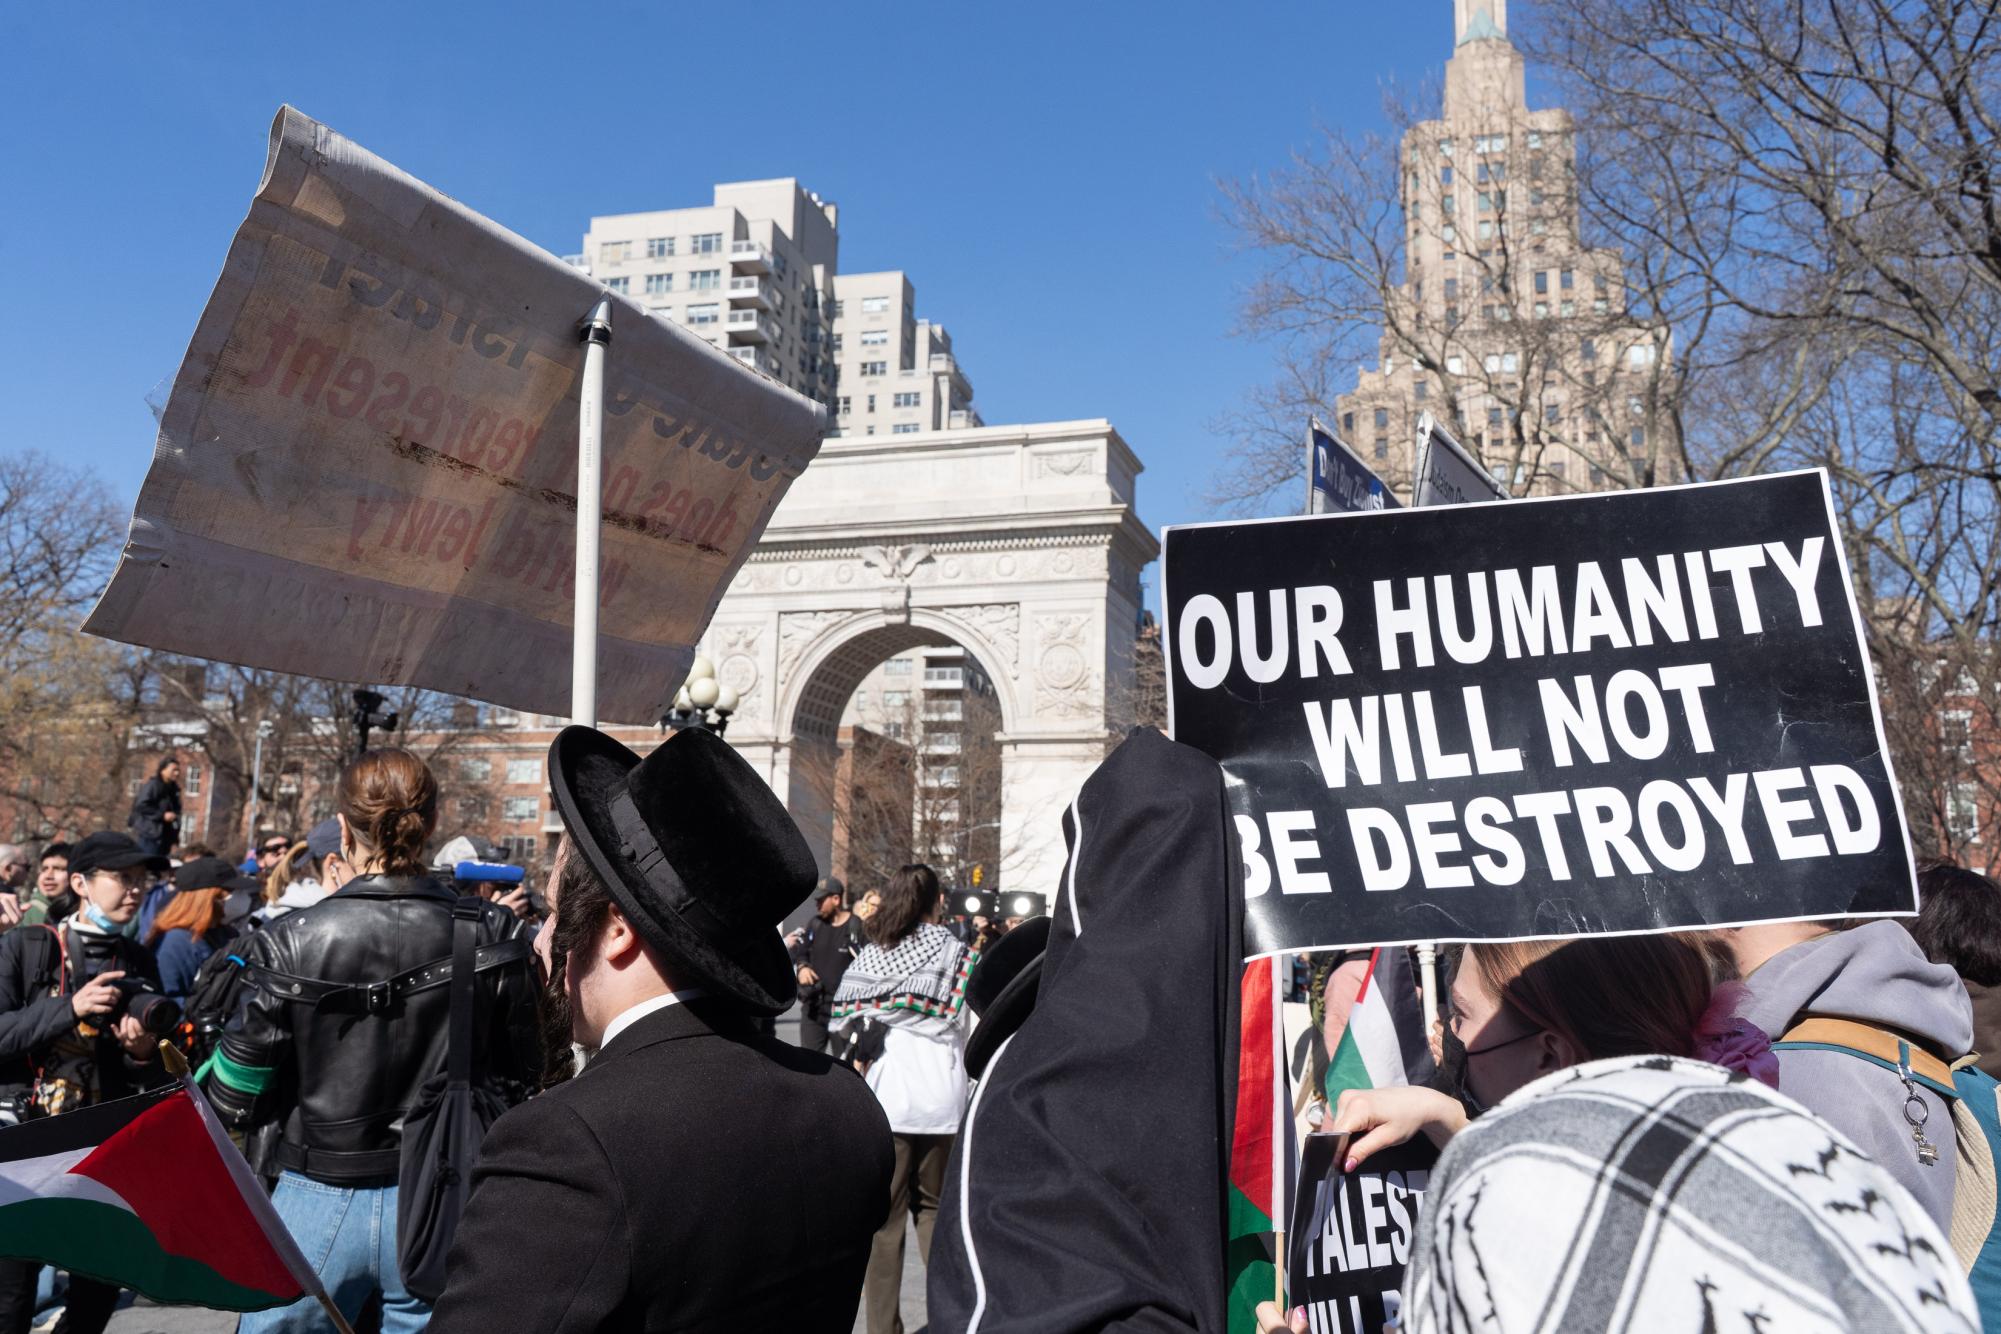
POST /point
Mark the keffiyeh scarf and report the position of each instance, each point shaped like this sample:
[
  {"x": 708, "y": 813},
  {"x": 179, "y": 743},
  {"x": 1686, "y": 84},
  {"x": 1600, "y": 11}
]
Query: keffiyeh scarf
[
  {"x": 1661, "y": 1194},
  {"x": 917, "y": 984}
]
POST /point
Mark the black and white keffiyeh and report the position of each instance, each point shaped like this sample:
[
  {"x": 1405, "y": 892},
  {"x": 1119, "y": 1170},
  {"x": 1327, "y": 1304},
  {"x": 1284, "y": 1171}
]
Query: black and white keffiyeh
[
  {"x": 1661, "y": 1194},
  {"x": 919, "y": 983}
]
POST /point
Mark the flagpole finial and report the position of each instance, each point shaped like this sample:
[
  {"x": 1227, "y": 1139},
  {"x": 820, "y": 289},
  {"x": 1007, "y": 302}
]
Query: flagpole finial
[{"x": 176, "y": 1063}]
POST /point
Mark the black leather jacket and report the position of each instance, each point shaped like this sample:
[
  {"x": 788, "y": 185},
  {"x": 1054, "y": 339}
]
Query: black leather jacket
[{"x": 340, "y": 1071}]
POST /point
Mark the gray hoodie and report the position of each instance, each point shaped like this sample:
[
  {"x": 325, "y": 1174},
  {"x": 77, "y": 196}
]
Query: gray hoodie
[{"x": 1875, "y": 974}]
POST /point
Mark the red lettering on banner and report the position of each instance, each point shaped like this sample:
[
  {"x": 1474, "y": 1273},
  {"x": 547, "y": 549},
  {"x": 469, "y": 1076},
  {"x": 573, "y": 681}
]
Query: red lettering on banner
[
  {"x": 428, "y": 403},
  {"x": 283, "y": 333},
  {"x": 505, "y": 441},
  {"x": 356, "y": 379},
  {"x": 320, "y": 358},
  {"x": 396, "y": 387},
  {"x": 456, "y": 528},
  {"x": 364, "y": 511},
  {"x": 478, "y": 532},
  {"x": 425, "y": 520}
]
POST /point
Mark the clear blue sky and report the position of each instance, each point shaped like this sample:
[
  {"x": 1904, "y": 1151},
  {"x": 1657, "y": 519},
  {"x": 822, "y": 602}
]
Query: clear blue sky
[{"x": 1044, "y": 172}]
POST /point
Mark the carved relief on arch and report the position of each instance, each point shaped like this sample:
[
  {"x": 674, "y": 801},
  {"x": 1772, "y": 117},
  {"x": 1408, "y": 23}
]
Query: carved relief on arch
[
  {"x": 1065, "y": 685},
  {"x": 736, "y": 650},
  {"x": 796, "y": 630},
  {"x": 999, "y": 623}
]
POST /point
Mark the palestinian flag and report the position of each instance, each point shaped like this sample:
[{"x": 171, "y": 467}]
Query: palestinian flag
[
  {"x": 1258, "y": 1162},
  {"x": 1384, "y": 1043},
  {"x": 148, "y": 1193}
]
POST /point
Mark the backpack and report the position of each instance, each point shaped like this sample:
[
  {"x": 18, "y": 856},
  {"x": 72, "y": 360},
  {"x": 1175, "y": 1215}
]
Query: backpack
[
  {"x": 443, "y": 1128},
  {"x": 1975, "y": 1099}
]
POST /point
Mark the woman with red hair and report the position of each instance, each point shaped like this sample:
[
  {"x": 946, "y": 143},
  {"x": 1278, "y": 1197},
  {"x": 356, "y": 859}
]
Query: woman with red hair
[{"x": 189, "y": 928}]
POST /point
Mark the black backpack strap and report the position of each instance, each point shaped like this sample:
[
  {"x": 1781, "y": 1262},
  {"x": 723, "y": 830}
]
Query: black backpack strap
[
  {"x": 380, "y": 997},
  {"x": 465, "y": 945}
]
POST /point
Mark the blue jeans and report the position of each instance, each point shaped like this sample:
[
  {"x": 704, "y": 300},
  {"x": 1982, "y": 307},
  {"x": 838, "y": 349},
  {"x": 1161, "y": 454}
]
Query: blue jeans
[{"x": 349, "y": 1237}]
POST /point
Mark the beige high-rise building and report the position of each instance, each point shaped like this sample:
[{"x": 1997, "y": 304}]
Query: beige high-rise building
[
  {"x": 897, "y": 374},
  {"x": 1506, "y": 327},
  {"x": 752, "y": 273}
]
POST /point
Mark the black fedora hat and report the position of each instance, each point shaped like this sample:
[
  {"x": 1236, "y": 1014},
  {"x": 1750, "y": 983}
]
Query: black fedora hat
[
  {"x": 1003, "y": 988},
  {"x": 698, "y": 851}
]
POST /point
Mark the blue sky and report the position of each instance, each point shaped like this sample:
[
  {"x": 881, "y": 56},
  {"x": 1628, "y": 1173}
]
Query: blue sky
[{"x": 1044, "y": 172}]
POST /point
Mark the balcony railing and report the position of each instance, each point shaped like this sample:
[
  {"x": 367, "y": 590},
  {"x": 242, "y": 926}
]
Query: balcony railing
[{"x": 750, "y": 255}]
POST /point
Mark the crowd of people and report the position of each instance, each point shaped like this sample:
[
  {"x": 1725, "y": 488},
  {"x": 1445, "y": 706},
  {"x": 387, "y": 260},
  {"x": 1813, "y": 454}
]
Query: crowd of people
[{"x": 618, "y": 1030}]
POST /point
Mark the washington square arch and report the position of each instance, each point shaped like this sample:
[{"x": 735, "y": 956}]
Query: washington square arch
[{"x": 1019, "y": 544}]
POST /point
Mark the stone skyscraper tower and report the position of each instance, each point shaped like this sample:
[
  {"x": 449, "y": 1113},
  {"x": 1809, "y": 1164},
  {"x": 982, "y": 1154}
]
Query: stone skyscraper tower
[{"x": 1505, "y": 326}]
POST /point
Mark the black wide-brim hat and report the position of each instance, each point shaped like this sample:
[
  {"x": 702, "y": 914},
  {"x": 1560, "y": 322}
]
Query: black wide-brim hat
[
  {"x": 1003, "y": 988},
  {"x": 698, "y": 852}
]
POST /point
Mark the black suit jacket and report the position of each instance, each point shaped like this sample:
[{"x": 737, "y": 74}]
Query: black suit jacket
[{"x": 696, "y": 1176}]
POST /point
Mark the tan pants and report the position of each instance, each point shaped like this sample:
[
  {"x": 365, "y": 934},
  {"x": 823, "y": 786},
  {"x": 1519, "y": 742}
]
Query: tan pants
[{"x": 914, "y": 1188}]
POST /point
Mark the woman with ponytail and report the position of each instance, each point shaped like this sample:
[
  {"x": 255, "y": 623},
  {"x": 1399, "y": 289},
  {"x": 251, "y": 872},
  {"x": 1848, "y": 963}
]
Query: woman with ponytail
[{"x": 341, "y": 1032}]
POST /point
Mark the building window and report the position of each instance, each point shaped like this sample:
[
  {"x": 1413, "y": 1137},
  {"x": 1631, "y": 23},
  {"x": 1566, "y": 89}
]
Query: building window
[
  {"x": 1452, "y": 314},
  {"x": 1637, "y": 437},
  {"x": 1494, "y": 418},
  {"x": 1382, "y": 450},
  {"x": 707, "y": 243},
  {"x": 1600, "y": 284},
  {"x": 1455, "y": 365},
  {"x": 1451, "y": 289},
  {"x": 871, "y": 403},
  {"x": 1421, "y": 390},
  {"x": 1348, "y": 424},
  {"x": 1588, "y": 349},
  {"x": 1542, "y": 310},
  {"x": 612, "y": 252},
  {"x": 905, "y": 428},
  {"x": 1535, "y": 197},
  {"x": 1542, "y": 282},
  {"x": 524, "y": 771},
  {"x": 659, "y": 247},
  {"x": 1635, "y": 407},
  {"x": 875, "y": 368},
  {"x": 896, "y": 667},
  {"x": 1445, "y": 175},
  {"x": 705, "y": 280},
  {"x": 1382, "y": 419},
  {"x": 895, "y": 699},
  {"x": 908, "y": 400},
  {"x": 1486, "y": 202},
  {"x": 658, "y": 284},
  {"x": 874, "y": 305},
  {"x": 705, "y": 314},
  {"x": 475, "y": 771},
  {"x": 875, "y": 337},
  {"x": 1486, "y": 231},
  {"x": 1556, "y": 470},
  {"x": 1450, "y": 205},
  {"x": 620, "y": 285},
  {"x": 1962, "y": 814},
  {"x": 1535, "y": 138},
  {"x": 1640, "y": 354},
  {"x": 518, "y": 809},
  {"x": 1445, "y": 148},
  {"x": 844, "y": 405},
  {"x": 1554, "y": 412}
]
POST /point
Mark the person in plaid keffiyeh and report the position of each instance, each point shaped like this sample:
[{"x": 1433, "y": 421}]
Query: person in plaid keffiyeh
[{"x": 1661, "y": 1194}]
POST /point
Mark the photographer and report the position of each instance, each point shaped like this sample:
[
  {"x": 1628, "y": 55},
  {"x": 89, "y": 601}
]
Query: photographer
[{"x": 80, "y": 1021}]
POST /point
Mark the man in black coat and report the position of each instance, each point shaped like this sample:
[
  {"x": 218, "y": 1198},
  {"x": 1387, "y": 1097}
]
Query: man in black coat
[
  {"x": 156, "y": 812},
  {"x": 697, "y": 1175}
]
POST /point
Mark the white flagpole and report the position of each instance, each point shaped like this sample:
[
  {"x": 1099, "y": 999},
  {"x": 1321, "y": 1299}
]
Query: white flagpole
[
  {"x": 1281, "y": 1112},
  {"x": 596, "y": 334},
  {"x": 1427, "y": 971}
]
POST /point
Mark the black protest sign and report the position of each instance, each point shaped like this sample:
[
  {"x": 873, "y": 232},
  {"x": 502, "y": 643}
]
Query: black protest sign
[
  {"x": 1351, "y": 1233},
  {"x": 1636, "y": 711}
]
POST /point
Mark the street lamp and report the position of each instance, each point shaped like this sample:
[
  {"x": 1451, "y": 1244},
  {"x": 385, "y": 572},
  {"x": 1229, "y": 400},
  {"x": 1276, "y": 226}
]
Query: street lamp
[
  {"x": 702, "y": 701},
  {"x": 264, "y": 729}
]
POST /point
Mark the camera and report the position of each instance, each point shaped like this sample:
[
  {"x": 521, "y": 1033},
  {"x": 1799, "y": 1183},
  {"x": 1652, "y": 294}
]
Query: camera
[{"x": 158, "y": 1014}]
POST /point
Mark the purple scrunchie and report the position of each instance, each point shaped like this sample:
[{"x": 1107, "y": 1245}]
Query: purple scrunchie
[{"x": 1724, "y": 1038}]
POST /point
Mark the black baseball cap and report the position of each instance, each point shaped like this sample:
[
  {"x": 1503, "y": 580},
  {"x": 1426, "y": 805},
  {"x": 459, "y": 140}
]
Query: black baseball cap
[
  {"x": 108, "y": 850},
  {"x": 204, "y": 873}
]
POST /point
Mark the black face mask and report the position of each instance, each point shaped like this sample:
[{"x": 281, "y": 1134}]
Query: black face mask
[{"x": 1451, "y": 1079}]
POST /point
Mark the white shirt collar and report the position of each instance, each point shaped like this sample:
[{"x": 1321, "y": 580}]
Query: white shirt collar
[{"x": 632, "y": 1016}]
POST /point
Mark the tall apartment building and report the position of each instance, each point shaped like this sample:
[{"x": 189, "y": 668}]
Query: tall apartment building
[
  {"x": 896, "y": 373},
  {"x": 755, "y": 274},
  {"x": 1506, "y": 326},
  {"x": 752, "y": 273}
]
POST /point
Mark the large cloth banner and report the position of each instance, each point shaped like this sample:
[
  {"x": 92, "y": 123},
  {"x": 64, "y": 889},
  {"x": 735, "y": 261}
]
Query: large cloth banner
[
  {"x": 1636, "y": 711},
  {"x": 367, "y": 467}
]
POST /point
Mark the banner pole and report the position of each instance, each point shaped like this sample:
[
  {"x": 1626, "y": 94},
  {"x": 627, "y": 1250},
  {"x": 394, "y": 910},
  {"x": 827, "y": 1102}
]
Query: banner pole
[
  {"x": 596, "y": 334},
  {"x": 1427, "y": 971},
  {"x": 1281, "y": 1111}
]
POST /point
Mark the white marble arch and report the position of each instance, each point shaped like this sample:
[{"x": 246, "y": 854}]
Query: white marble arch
[{"x": 1020, "y": 544}]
